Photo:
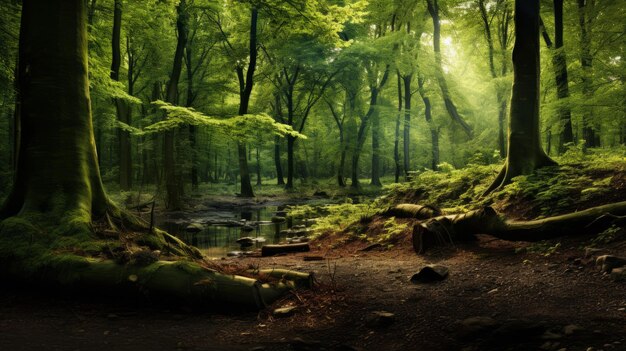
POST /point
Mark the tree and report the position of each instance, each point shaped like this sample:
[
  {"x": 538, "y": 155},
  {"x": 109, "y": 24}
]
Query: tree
[
  {"x": 433, "y": 9},
  {"x": 173, "y": 178},
  {"x": 525, "y": 153},
  {"x": 123, "y": 111}
]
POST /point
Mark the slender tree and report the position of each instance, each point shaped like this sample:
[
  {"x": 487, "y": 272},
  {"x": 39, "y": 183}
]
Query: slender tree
[
  {"x": 172, "y": 172},
  {"x": 433, "y": 9}
]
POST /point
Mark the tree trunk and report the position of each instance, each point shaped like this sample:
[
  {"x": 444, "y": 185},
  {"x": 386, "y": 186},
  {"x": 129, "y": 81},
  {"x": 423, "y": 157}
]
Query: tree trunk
[
  {"x": 56, "y": 132},
  {"x": 525, "y": 153},
  {"x": 559, "y": 62},
  {"x": 433, "y": 9},
  {"x": 407, "y": 123},
  {"x": 396, "y": 143},
  {"x": 360, "y": 137},
  {"x": 121, "y": 107},
  {"x": 290, "y": 161},
  {"x": 245, "y": 91},
  {"x": 172, "y": 171},
  {"x": 258, "y": 167},
  {"x": 375, "y": 181},
  {"x": 192, "y": 129},
  {"x": 492, "y": 68},
  {"x": 279, "y": 168},
  {"x": 434, "y": 133},
  {"x": 586, "y": 61},
  {"x": 446, "y": 229}
]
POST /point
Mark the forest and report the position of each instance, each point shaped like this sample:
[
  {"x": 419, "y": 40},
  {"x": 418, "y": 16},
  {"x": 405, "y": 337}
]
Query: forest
[{"x": 313, "y": 175}]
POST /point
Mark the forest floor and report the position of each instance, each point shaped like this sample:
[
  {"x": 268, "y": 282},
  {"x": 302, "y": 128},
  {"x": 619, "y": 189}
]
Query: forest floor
[{"x": 526, "y": 301}]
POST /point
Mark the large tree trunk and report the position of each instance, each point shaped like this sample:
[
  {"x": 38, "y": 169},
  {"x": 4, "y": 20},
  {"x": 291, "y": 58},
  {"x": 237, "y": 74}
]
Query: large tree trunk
[
  {"x": 290, "y": 161},
  {"x": 192, "y": 129},
  {"x": 55, "y": 119},
  {"x": 277, "y": 141},
  {"x": 525, "y": 153},
  {"x": 447, "y": 229},
  {"x": 433, "y": 9}
]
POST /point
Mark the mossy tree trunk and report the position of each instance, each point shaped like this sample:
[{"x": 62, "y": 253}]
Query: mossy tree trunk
[
  {"x": 525, "y": 153},
  {"x": 585, "y": 21},
  {"x": 57, "y": 175}
]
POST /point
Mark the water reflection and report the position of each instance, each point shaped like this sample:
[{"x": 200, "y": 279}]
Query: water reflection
[{"x": 222, "y": 228}]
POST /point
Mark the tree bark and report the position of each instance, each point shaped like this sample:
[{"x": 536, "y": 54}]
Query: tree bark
[
  {"x": 277, "y": 162},
  {"x": 559, "y": 62},
  {"x": 192, "y": 129},
  {"x": 525, "y": 153}
]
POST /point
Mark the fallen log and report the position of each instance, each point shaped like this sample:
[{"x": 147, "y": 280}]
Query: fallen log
[
  {"x": 450, "y": 228},
  {"x": 412, "y": 211},
  {"x": 271, "y": 250}
]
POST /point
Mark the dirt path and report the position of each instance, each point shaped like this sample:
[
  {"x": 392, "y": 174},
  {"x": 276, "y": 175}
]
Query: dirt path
[{"x": 527, "y": 299}]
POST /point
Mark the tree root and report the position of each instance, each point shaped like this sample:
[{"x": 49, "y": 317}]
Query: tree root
[{"x": 447, "y": 229}]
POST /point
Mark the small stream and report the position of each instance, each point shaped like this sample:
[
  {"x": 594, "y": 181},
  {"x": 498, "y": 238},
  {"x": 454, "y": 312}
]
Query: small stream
[{"x": 216, "y": 231}]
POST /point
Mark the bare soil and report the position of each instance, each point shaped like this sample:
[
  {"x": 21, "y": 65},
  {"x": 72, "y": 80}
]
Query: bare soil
[{"x": 530, "y": 297}]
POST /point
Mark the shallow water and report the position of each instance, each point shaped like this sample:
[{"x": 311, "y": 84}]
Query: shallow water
[{"x": 219, "y": 234}]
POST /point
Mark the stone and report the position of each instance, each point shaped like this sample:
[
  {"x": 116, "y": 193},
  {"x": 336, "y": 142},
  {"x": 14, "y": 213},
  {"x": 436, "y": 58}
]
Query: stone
[
  {"x": 284, "y": 312},
  {"x": 608, "y": 262},
  {"x": 247, "y": 228},
  {"x": 473, "y": 327},
  {"x": 194, "y": 228},
  {"x": 380, "y": 319},
  {"x": 234, "y": 254},
  {"x": 246, "y": 241},
  {"x": 430, "y": 273},
  {"x": 618, "y": 274}
]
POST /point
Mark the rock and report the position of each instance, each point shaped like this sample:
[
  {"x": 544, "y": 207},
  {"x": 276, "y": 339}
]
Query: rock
[
  {"x": 548, "y": 335},
  {"x": 246, "y": 241},
  {"x": 194, "y": 228},
  {"x": 257, "y": 348},
  {"x": 247, "y": 228},
  {"x": 234, "y": 254},
  {"x": 618, "y": 274},
  {"x": 278, "y": 219},
  {"x": 608, "y": 262},
  {"x": 430, "y": 273},
  {"x": 473, "y": 327},
  {"x": 284, "y": 312},
  {"x": 571, "y": 329},
  {"x": 380, "y": 319}
]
